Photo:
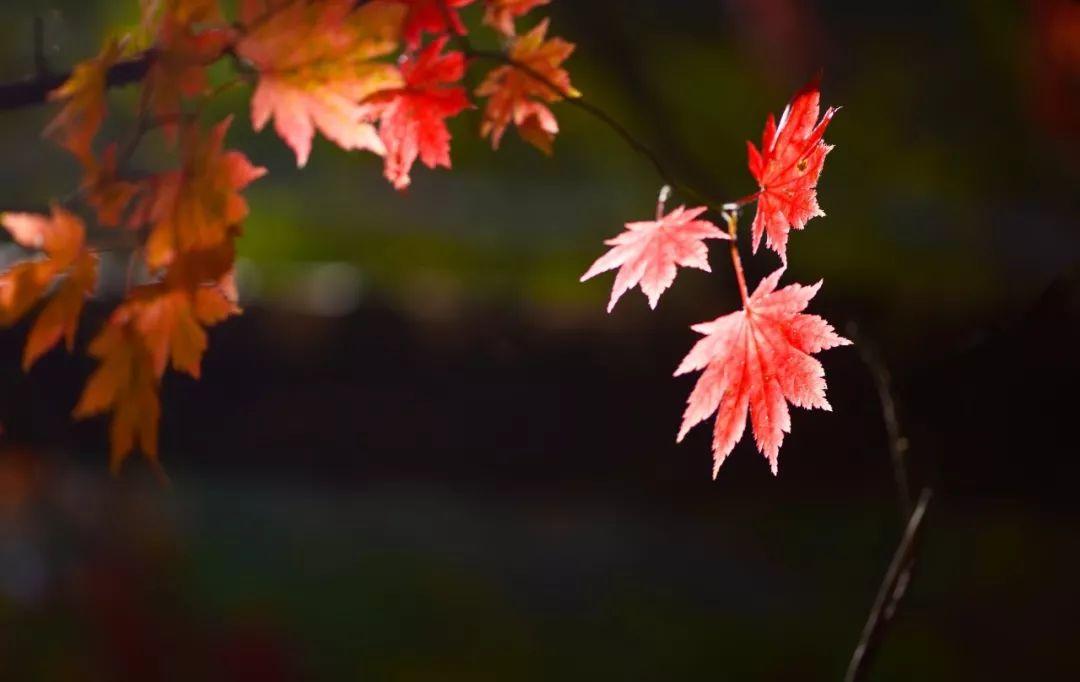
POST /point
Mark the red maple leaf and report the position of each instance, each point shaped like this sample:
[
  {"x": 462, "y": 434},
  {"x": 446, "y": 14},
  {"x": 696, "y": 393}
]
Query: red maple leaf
[
  {"x": 648, "y": 252},
  {"x": 787, "y": 169},
  {"x": 758, "y": 359},
  {"x": 412, "y": 119},
  {"x": 432, "y": 16}
]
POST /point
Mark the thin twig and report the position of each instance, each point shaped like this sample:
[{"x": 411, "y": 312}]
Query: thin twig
[
  {"x": 898, "y": 444},
  {"x": 615, "y": 125},
  {"x": 891, "y": 593}
]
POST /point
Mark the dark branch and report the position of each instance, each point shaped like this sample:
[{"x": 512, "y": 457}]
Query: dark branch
[
  {"x": 891, "y": 593},
  {"x": 35, "y": 90},
  {"x": 898, "y": 444}
]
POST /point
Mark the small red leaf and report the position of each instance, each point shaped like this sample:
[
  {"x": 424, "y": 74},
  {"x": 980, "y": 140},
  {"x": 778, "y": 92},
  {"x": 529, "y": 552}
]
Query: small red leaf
[
  {"x": 787, "y": 169},
  {"x": 648, "y": 252}
]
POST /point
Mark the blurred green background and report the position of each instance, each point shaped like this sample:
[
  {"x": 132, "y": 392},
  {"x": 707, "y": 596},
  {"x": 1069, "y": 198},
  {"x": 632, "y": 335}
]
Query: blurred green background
[{"x": 425, "y": 452}]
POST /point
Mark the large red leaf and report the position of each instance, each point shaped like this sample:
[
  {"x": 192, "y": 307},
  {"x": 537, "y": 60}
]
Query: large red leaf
[{"x": 758, "y": 359}]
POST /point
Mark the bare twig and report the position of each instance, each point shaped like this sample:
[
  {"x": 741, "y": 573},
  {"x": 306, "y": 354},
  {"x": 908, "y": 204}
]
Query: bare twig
[
  {"x": 891, "y": 593},
  {"x": 898, "y": 444}
]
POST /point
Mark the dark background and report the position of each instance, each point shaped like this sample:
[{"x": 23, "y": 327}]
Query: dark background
[{"x": 426, "y": 453}]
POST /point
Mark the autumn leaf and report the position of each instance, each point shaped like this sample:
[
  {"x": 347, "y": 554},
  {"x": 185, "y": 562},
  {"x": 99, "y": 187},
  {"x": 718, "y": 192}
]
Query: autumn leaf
[
  {"x": 517, "y": 92},
  {"x": 316, "y": 64},
  {"x": 197, "y": 206},
  {"x": 105, "y": 191},
  {"x": 500, "y": 14},
  {"x": 648, "y": 252},
  {"x": 412, "y": 119},
  {"x": 83, "y": 96},
  {"x": 787, "y": 169},
  {"x": 124, "y": 383},
  {"x": 758, "y": 359},
  {"x": 433, "y": 16},
  {"x": 61, "y": 238},
  {"x": 157, "y": 325},
  {"x": 190, "y": 35}
]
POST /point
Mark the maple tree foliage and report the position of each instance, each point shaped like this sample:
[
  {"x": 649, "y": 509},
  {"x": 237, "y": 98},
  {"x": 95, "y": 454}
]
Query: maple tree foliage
[
  {"x": 501, "y": 14},
  {"x": 384, "y": 77},
  {"x": 517, "y": 96},
  {"x": 412, "y": 118},
  {"x": 648, "y": 252},
  {"x": 316, "y": 62},
  {"x": 431, "y": 16},
  {"x": 61, "y": 238},
  {"x": 787, "y": 169},
  {"x": 758, "y": 359}
]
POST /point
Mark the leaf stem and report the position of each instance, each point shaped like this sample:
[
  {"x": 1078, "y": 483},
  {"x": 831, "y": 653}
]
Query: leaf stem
[{"x": 732, "y": 219}]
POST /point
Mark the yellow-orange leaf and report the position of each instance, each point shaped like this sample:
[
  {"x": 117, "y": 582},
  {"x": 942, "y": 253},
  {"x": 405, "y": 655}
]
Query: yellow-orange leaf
[
  {"x": 517, "y": 92},
  {"x": 315, "y": 64},
  {"x": 83, "y": 95},
  {"x": 125, "y": 383},
  {"x": 190, "y": 36},
  {"x": 106, "y": 193},
  {"x": 61, "y": 238},
  {"x": 60, "y": 316},
  {"x": 500, "y": 14},
  {"x": 159, "y": 324},
  {"x": 199, "y": 205}
]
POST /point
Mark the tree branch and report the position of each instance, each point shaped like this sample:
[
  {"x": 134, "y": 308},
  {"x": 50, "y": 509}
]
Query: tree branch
[
  {"x": 611, "y": 122},
  {"x": 35, "y": 90},
  {"x": 891, "y": 593}
]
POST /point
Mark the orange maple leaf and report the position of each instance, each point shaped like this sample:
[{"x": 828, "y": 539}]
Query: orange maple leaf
[
  {"x": 757, "y": 360},
  {"x": 61, "y": 237},
  {"x": 197, "y": 206},
  {"x": 159, "y": 324},
  {"x": 500, "y": 14},
  {"x": 316, "y": 64},
  {"x": 105, "y": 192},
  {"x": 83, "y": 95},
  {"x": 124, "y": 383},
  {"x": 517, "y": 92},
  {"x": 190, "y": 35}
]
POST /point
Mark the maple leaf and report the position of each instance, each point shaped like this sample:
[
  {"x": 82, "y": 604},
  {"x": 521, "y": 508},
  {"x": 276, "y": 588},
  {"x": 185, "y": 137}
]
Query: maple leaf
[
  {"x": 500, "y": 14},
  {"x": 758, "y": 359},
  {"x": 517, "y": 92},
  {"x": 198, "y": 205},
  {"x": 189, "y": 37},
  {"x": 432, "y": 16},
  {"x": 158, "y": 324},
  {"x": 648, "y": 252},
  {"x": 83, "y": 95},
  {"x": 61, "y": 237},
  {"x": 124, "y": 383},
  {"x": 315, "y": 65},
  {"x": 787, "y": 169},
  {"x": 412, "y": 118},
  {"x": 105, "y": 192}
]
